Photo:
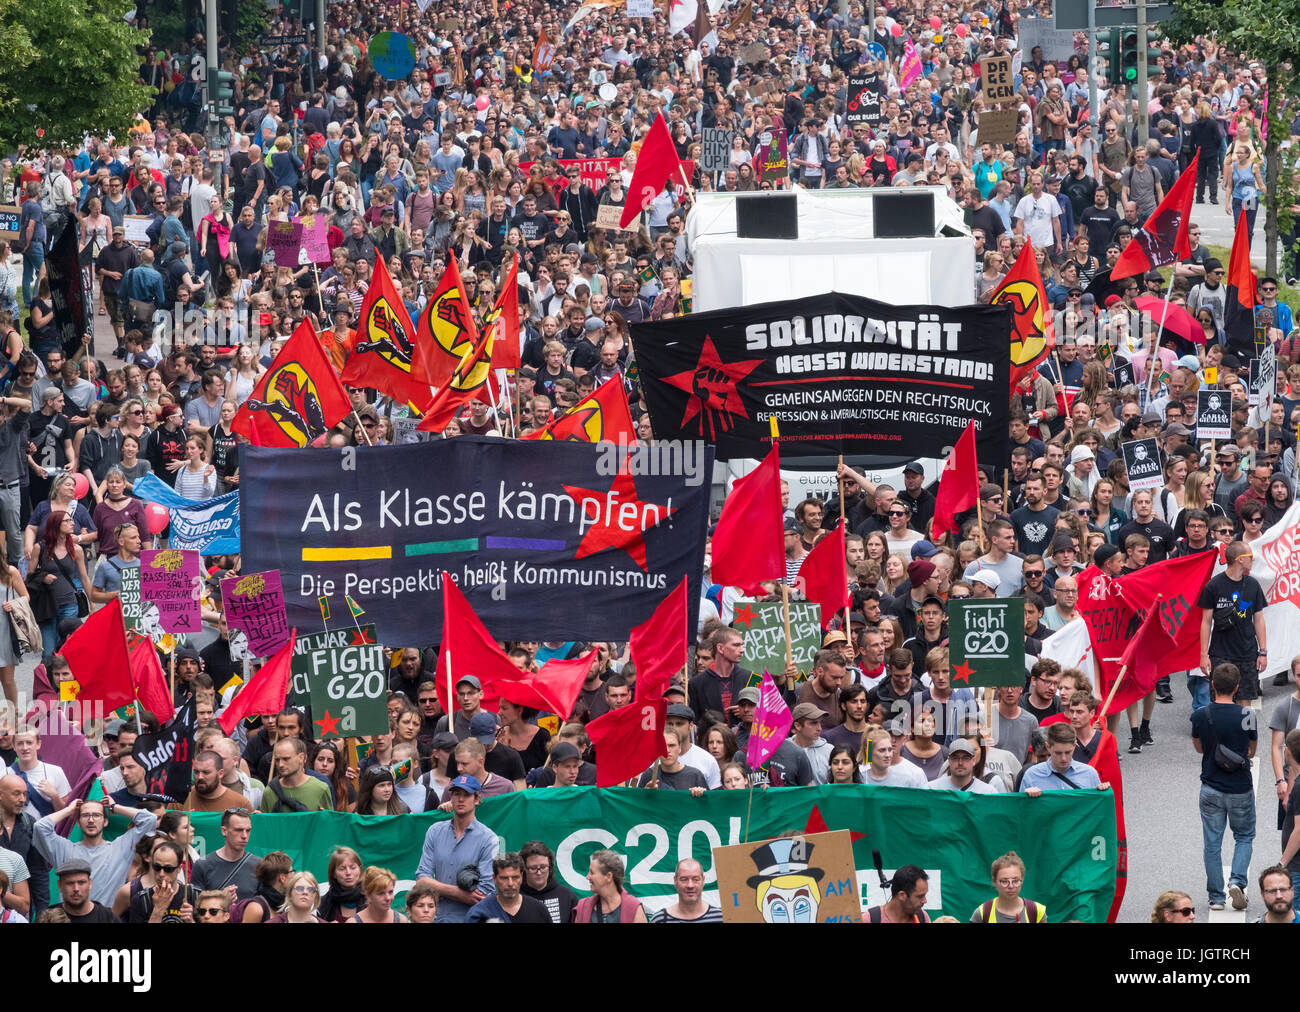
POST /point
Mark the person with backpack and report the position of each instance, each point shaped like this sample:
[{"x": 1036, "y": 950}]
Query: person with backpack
[
  {"x": 31, "y": 239},
  {"x": 292, "y": 790},
  {"x": 1009, "y": 907}
]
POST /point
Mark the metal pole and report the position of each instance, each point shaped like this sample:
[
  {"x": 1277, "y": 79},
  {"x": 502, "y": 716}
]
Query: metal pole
[
  {"x": 1092, "y": 71},
  {"x": 1143, "y": 120},
  {"x": 320, "y": 25},
  {"x": 211, "y": 14}
]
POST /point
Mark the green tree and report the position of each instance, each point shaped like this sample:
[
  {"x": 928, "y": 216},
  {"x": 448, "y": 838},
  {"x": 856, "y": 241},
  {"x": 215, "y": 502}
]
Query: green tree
[
  {"x": 83, "y": 78},
  {"x": 1263, "y": 30},
  {"x": 18, "y": 51}
]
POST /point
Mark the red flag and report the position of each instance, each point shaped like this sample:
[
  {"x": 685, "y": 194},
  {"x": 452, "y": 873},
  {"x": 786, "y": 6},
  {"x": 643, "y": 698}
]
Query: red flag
[
  {"x": 384, "y": 353},
  {"x": 96, "y": 653},
  {"x": 505, "y": 318},
  {"x": 468, "y": 649},
  {"x": 1163, "y": 239},
  {"x": 749, "y": 541},
  {"x": 149, "y": 681},
  {"x": 959, "y": 484},
  {"x": 297, "y": 400},
  {"x": 601, "y": 416},
  {"x": 1114, "y": 610},
  {"x": 655, "y": 164},
  {"x": 446, "y": 329},
  {"x": 1239, "y": 312},
  {"x": 628, "y": 740},
  {"x": 265, "y": 691},
  {"x": 1033, "y": 330},
  {"x": 824, "y": 575},
  {"x": 1142, "y": 663},
  {"x": 661, "y": 644},
  {"x": 468, "y": 381},
  {"x": 553, "y": 689}
]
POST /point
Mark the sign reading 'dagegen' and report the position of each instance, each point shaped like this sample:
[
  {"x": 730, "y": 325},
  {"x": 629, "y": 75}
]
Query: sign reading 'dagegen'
[{"x": 547, "y": 539}]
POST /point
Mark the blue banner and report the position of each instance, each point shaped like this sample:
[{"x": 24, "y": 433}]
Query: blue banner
[
  {"x": 548, "y": 540},
  {"x": 210, "y": 526}
]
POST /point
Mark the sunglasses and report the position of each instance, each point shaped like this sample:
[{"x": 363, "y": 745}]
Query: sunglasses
[
  {"x": 1253, "y": 520},
  {"x": 898, "y": 513},
  {"x": 165, "y": 868},
  {"x": 210, "y": 911},
  {"x": 1185, "y": 911}
]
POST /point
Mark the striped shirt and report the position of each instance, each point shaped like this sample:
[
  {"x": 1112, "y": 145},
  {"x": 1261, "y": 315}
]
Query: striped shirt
[{"x": 713, "y": 915}]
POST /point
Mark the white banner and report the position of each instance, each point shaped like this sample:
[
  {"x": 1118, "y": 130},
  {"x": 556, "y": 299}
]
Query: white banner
[{"x": 1277, "y": 568}]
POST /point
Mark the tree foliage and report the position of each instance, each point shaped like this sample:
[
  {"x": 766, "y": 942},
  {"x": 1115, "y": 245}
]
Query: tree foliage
[
  {"x": 16, "y": 45},
  {"x": 1263, "y": 30},
  {"x": 81, "y": 79}
]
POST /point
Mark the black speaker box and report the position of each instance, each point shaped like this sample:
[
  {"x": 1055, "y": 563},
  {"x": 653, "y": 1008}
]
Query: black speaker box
[
  {"x": 767, "y": 216},
  {"x": 903, "y": 215}
]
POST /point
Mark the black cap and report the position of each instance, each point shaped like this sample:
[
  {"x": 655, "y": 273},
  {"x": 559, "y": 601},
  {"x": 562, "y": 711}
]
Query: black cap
[{"x": 915, "y": 467}]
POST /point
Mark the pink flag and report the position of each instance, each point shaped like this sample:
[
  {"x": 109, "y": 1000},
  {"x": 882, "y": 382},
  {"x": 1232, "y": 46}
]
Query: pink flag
[
  {"x": 911, "y": 68},
  {"x": 772, "y": 723}
]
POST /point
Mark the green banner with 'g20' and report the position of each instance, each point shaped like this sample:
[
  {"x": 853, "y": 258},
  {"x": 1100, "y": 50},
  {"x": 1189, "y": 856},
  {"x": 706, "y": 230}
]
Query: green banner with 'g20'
[{"x": 1066, "y": 838}]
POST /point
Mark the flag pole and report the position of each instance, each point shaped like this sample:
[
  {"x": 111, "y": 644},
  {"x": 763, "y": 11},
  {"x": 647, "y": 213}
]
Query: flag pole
[
  {"x": 749, "y": 808},
  {"x": 1105, "y": 707},
  {"x": 171, "y": 668},
  {"x": 979, "y": 516},
  {"x": 362, "y": 428},
  {"x": 844, "y": 520},
  {"x": 513, "y": 393},
  {"x": 789, "y": 645}
]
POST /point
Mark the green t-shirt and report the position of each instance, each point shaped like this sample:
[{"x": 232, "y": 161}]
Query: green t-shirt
[{"x": 311, "y": 793}]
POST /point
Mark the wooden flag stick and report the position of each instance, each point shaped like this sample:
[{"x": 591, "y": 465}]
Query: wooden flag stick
[
  {"x": 748, "y": 809},
  {"x": 1105, "y": 707},
  {"x": 171, "y": 669},
  {"x": 979, "y": 516},
  {"x": 362, "y": 428},
  {"x": 844, "y": 519},
  {"x": 789, "y": 644}
]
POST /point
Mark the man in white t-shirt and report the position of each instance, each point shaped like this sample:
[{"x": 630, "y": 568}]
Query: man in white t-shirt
[
  {"x": 1038, "y": 215},
  {"x": 47, "y": 785},
  {"x": 961, "y": 771}
]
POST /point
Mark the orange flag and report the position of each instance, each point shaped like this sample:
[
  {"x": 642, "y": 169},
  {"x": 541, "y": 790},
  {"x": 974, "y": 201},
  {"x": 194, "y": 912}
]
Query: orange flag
[
  {"x": 297, "y": 399},
  {"x": 468, "y": 381},
  {"x": 601, "y": 416},
  {"x": 544, "y": 54}
]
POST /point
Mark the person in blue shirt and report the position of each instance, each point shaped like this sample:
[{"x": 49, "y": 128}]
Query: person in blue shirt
[
  {"x": 450, "y": 846},
  {"x": 1282, "y": 317},
  {"x": 1061, "y": 771}
]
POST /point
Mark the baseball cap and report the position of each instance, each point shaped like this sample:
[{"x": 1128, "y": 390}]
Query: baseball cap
[
  {"x": 791, "y": 525},
  {"x": 119, "y": 229},
  {"x": 1151, "y": 417},
  {"x": 1177, "y": 429},
  {"x": 564, "y": 750},
  {"x": 807, "y": 711},
  {"x": 471, "y": 680},
  {"x": 834, "y": 636},
  {"x": 923, "y": 549},
  {"x": 444, "y": 740},
  {"x": 594, "y": 324},
  {"x": 749, "y": 694},
  {"x": 483, "y": 726},
  {"x": 1105, "y": 553},
  {"x": 915, "y": 467},
  {"x": 961, "y": 745},
  {"x": 466, "y": 783},
  {"x": 989, "y": 578},
  {"x": 680, "y": 710},
  {"x": 1230, "y": 450}
]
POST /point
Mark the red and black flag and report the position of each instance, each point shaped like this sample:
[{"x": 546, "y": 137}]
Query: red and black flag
[
  {"x": 446, "y": 330},
  {"x": 1163, "y": 238},
  {"x": 297, "y": 400},
  {"x": 504, "y": 316},
  {"x": 601, "y": 416},
  {"x": 1239, "y": 312},
  {"x": 1033, "y": 327},
  {"x": 468, "y": 381},
  {"x": 384, "y": 353}
]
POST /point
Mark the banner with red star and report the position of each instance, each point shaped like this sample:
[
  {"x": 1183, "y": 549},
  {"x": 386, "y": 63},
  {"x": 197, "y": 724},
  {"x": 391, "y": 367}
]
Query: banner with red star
[{"x": 839, "y": 373}]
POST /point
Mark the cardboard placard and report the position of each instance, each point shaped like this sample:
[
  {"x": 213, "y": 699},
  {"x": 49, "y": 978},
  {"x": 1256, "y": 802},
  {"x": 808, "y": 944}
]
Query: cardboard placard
[
  {"x": 986, "y": 642},
  {"x": 997, "y": 79},
  {"x": 609, "y": 215},
  {"x": 284, "y": 242},
  {"x": 772, "y": 158},
  {"x": 999, "y": 126},
  {"x": 1263, "y": 379},
  {"x": 254, "y": 604},
  {"x": 1142, "y": 462},
  {"x": 715, "y": 149},
  {"x": 640, "y": 8},
  {"x": 9, "y": 215},
  {"x": 137, "y": 228},
  {"x": 348, "y": 686},
  {"x": 807, "y": 879},
  {"x": 170, "y": 585},
  {"x": 864, "y": 101},
  {"x": 764, "y": 626},
  {"x": 315, "y": 238},
  {"x": 1214, "y": 414}
]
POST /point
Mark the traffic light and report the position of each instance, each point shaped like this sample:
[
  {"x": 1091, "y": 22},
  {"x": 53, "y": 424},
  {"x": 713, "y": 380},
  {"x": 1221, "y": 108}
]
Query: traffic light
[
  {"x": 1128, "y": 60},
  {"x": 1108, "y": 48},
  {"x": 221, "y": 93},
  {"x": 1153, "y": 53}
]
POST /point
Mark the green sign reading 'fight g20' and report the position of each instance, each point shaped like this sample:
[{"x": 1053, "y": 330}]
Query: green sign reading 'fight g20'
[
  {"x": 1067, "y": 838},
  {"x": 986, "y": 642}
]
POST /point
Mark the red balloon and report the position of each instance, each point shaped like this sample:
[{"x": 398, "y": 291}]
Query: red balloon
[
  {"x": 80, "y": 486},
  {"x": 896, "y": 31},
  {"x": 156, "y": 517},
  {"x": 935, "y": 23},
  {"x": 962, "y": 30}
]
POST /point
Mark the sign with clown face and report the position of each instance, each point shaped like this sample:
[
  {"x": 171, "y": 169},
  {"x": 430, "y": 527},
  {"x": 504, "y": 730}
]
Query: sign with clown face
[{"x": 808, "y": 879}]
